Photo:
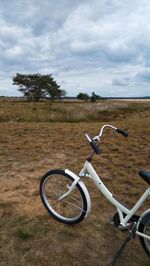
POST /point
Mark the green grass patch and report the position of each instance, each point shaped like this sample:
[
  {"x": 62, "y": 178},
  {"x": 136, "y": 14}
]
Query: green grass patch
[
  {"x": 4, "y": 205},
  {"x": 22, "y": 234}
]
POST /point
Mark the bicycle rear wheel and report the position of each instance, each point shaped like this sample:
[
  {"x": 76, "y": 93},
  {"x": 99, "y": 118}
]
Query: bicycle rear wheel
[
  {"x": 144, "y": 228},
  {"x": 70, "y": 210}
]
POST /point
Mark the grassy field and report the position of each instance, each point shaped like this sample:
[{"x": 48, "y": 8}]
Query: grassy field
[{"x": 36, "y": 137}]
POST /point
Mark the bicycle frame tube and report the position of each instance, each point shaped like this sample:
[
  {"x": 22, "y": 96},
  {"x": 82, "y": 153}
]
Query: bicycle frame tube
[{"x": 121, "y": 209}]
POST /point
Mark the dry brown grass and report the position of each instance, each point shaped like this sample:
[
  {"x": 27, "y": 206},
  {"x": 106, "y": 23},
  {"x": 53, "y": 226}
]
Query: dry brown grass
[
  {"x": 104, "y": 110},
  {"x": 28, "y": 149}
]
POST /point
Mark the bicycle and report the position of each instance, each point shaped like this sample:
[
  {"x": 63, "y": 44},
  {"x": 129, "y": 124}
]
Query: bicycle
[{"x": 66, "y": 197}]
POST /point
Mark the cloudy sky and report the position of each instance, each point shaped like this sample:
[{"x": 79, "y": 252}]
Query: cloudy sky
[{"x": 98, "y": 45}]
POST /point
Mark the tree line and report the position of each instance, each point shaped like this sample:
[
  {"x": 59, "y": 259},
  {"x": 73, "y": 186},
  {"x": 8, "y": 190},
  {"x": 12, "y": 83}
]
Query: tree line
[{"x": 36, "y": 87}]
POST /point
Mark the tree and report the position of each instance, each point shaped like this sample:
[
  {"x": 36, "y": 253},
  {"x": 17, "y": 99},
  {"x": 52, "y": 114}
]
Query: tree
[
  {"x": 83, "y": 96},
  {"x": 94, "y": 97},
  {"x": 37, "y": 86}
]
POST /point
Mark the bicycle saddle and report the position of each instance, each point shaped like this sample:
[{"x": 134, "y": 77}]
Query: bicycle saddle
[{"x": 145, "y": 175}]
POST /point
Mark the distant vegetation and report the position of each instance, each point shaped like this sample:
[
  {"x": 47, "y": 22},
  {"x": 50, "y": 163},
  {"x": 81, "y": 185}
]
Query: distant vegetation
[
  {"x": 36, "y": 86},
  {"x": 68, "y": 111},
  {"x": 93, "y": 98}
]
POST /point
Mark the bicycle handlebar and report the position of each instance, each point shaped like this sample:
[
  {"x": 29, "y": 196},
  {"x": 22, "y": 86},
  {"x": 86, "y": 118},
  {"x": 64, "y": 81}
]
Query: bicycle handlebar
[
  {"x": 123, "y": 132},
  {"x": 97, "y": 138},
  {"x": 120, "y": 131}
]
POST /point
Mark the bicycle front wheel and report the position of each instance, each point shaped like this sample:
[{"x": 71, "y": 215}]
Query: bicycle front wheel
[
  {"x": 72, "y": 208},
  {"x": 144, "y": 228}
]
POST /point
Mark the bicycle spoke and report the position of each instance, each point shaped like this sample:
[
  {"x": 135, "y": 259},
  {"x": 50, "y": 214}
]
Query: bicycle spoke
[{"x": 71, "y": 206}]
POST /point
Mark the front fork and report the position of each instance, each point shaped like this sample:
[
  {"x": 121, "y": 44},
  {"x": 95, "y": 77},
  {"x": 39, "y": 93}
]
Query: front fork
[
  {"x": 77, "y": 180},
  {"x": 70, "y": 188}
]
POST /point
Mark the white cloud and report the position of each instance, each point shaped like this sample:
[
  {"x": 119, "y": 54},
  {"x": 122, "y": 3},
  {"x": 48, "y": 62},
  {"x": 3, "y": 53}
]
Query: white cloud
[{"x": 98, "y": 45}]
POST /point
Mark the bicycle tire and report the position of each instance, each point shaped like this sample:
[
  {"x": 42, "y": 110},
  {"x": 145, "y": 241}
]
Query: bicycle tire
[
  {"x": 144, "y": 227},
  {"x": 53, "y": 185}
]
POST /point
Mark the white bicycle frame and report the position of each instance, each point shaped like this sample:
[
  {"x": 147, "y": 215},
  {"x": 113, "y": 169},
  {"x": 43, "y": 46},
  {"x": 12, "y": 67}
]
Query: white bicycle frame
[{"x": 89, "y": 171}]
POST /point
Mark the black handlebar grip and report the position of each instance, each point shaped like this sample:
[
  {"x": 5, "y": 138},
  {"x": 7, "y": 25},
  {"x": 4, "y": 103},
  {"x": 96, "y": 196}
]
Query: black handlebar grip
[
  {"x": 122, "y": 132},
  {"x": 95, "y": 147}
]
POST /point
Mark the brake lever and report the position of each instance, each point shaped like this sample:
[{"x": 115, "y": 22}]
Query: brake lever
[{"x": 93, "y": 144}]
